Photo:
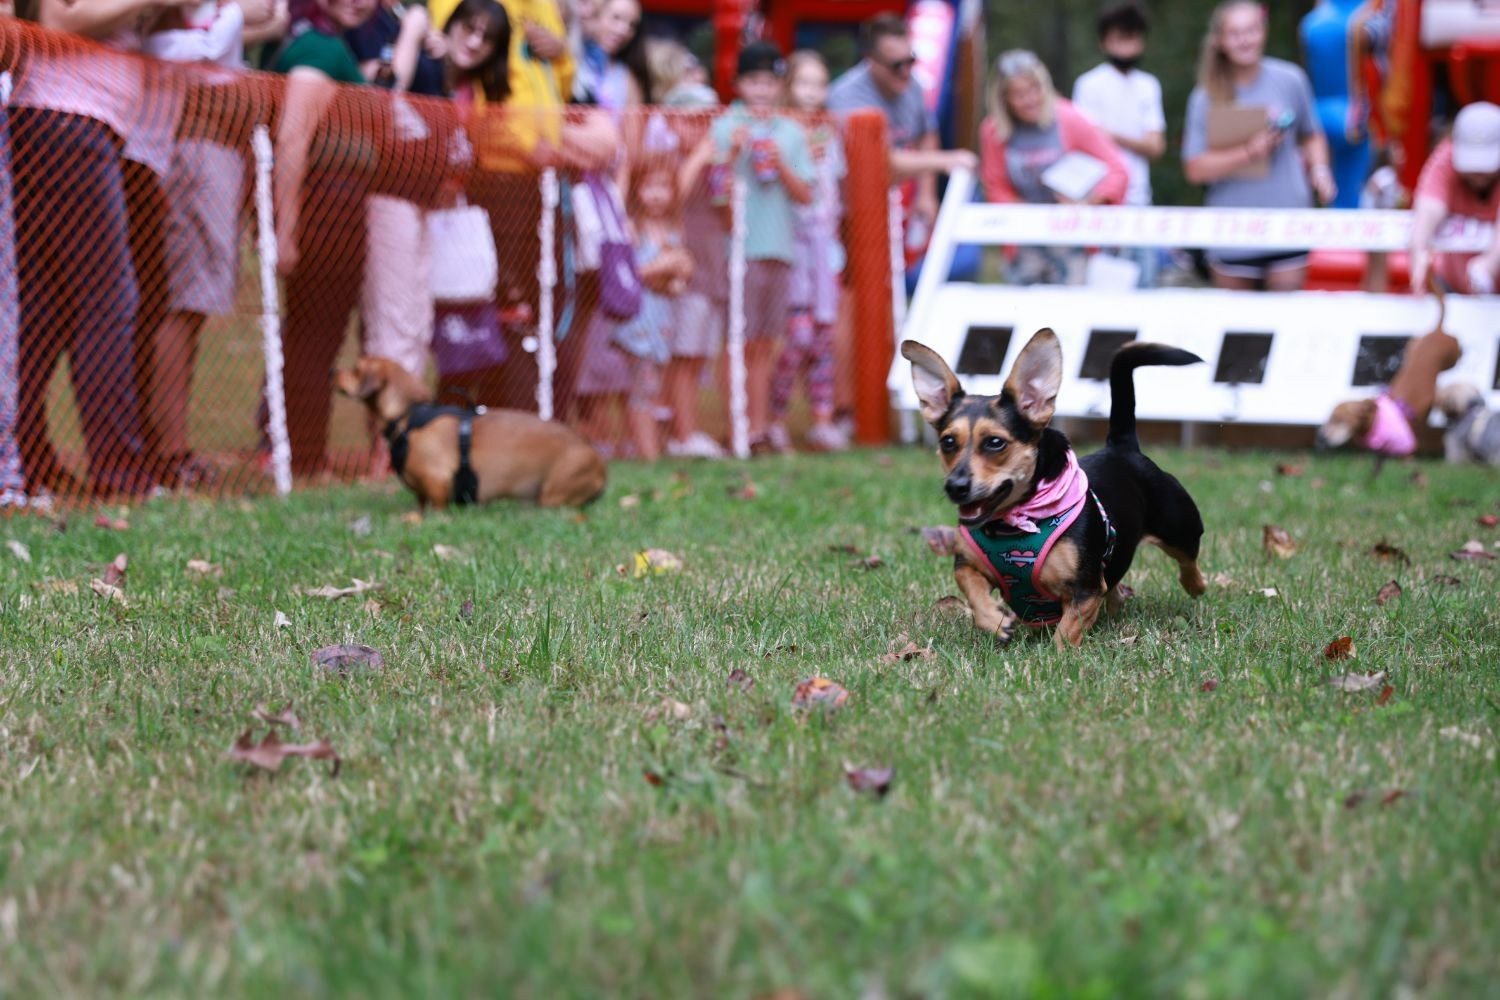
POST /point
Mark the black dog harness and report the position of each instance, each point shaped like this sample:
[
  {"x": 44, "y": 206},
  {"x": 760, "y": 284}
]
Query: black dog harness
[{"x": 465, "y": 482}]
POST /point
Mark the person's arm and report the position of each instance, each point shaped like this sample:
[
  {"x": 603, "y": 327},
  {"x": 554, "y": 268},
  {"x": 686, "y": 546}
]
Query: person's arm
[
  {"x": 272, "y": 29},
  {"x": 993, "y": 175},
  {"x": 1151, "y": 145},
  {"x": 97, "y": 19},
  {"x": 909, "y": 163},
  {"x": 1314, "y": 149},
  {"x": 691, "y": 171},
  {"x": 589, "y": 140},
  {"x": 794, "y": 164},
  {"x": 1214, "y": 165},
  {"x": 1426, "y": 215},
  {"x": 408, "y": 48},
  {"x": 1081, "y": 134},
  {"x": 308, "y": 94}
]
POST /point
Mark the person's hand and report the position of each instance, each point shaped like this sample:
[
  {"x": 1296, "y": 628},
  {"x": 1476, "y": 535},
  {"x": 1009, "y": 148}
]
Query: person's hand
[
  {"x": 1482, "y": 270},
  {"x": 435, "y": 44},
  {"x": 925, "y": 207},
  {"x": 1262, "y": 144},
  {"x": 738, "y": 139},
  {"x": 962, "y": 159},
  {"x": 543, "y": 43},
  {"x": 256, "y": 11},
  {"x": 1323, "y": 184}
]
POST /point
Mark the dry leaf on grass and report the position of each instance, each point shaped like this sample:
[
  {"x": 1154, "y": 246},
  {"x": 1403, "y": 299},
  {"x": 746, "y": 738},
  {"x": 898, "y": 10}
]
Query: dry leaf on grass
[
  {"x": 1488, "y": 520},
  {"x": 282, "y": 621},
  {"x": 652, "y": 778},
  {"x": 345, "y": 658},
  {"x": 446, "y": 552},
  {"x": 1385, "y": 695},
  {"x": 942, "y": 539},
  {"x": 1472, "y": 549},
  {"x": 111, "y": 523},
  {"x": 654, "y": 562},
  {"x": 114, "y": 573},
  {"x": 334, "y": 593},
  {"x": 466, "y": 609},
  {"x": 869, "y": 779},
  {"x": 745, "y": 491},
  {"x": 202, "y": 567},
  {"x": 868, "y": 562},
  {"x": 371, "y": 607},
  {"x": 1277, "y": 542},
  {"x": 1357, "y": 682},
  {"x": 1419, "y": 479},
  {"x": 1288, "y": 469},
  {"x": 1268, "y": 592},
  {"x": 1221, "y": 579},
  {"x": 1389, "y": 591},
  {"x": 270, "y": 751},
  {"x": 57, "y": 586},
  {"x": 1386, "y": 552},
  {"x": 362, "y": 526},
  {"x": 903, "y": 649},
  {"x": 1341, "y": 648},
  {"x": 739, "y": 679},
  {"x": 109, "y": 592},
  {"x": 670, "y": 708},
  {"x": 845, "y": 548},
  {"x": 283, "y": 716},
  {"x": 1209, "y": 685},
  {"x": 1392, "y": 796},
  {"x": 1445, "y": 580},
  {"x": 19, "y": 550},
  {"x": 952, "y": 605},
  {"x": 819, "y": 692}
]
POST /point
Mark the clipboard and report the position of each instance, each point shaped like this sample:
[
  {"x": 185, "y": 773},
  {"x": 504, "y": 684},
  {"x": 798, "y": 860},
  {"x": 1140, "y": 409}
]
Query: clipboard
[{"x": 1231, "y": 125}]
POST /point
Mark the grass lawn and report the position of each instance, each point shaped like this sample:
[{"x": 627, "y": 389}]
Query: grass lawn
[{"x": 521, "y": 809}]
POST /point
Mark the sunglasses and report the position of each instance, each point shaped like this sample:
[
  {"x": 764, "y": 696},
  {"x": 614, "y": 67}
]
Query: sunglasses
[{"x": 901, "y": 66}]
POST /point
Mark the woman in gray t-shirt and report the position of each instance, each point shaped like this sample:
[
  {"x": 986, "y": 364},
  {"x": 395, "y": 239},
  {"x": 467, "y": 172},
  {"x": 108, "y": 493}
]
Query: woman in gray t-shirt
[{"x": 1267, "y": 170}]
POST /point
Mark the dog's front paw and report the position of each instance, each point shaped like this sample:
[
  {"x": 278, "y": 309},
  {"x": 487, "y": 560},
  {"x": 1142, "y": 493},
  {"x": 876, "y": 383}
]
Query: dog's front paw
[{"x": 1000, "y": 622}]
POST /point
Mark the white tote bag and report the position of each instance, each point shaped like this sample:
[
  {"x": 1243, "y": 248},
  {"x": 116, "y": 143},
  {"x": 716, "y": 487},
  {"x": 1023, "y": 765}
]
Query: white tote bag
[{"x": 465, "y": 267}]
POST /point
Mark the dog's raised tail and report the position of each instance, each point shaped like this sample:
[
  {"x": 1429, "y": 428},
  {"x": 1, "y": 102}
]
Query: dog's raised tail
[{"x": 1122, "y": 386}]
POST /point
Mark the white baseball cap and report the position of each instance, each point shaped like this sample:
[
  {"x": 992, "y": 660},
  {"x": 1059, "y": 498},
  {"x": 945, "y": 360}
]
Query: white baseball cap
[{"x": 1476, "y": 139}]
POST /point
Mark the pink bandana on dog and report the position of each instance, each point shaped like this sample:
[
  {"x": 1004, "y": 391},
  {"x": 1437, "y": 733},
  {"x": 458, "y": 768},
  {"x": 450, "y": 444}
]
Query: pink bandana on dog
[
  {"x": 1392, "y": 433},
  {"x": 1055, "y": 496}
]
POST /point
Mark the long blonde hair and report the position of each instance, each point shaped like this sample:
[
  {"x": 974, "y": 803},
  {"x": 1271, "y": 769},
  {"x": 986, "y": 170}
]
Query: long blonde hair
[
  {"x": 1012, "y": 65},
  {"x": 794, "y": 63},
  {"x": 1215, "y": 72}
]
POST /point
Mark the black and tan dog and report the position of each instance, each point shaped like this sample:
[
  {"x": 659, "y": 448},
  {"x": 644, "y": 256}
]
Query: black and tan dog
[
  {"x": 450, "y": 455},
  {"x": 1053, "y": 534}
]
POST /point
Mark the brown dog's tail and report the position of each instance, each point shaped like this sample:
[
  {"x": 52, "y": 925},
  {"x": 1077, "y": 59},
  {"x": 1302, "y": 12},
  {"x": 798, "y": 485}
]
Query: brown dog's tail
[{"x": 1122, "y": 386}]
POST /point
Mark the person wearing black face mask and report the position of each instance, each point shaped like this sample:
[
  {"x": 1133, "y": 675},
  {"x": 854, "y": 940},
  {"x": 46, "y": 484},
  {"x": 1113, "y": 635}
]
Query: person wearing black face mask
[{"x": 1125, "y": 102}]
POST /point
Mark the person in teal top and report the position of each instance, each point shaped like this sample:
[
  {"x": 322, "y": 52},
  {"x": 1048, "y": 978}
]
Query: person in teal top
[
  {"x": 771, "y": 160},
  {"x": 327, "y": 54}
]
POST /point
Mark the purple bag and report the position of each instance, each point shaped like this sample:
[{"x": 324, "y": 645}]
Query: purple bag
[
  {"x": 466, "y": 338},
  {"x": 601, "y": 219}
]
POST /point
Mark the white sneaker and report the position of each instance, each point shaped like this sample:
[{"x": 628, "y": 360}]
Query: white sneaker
[
  {"x": 827, "y": 437},
  {"x": 778, "y": 438},
  {"x": 697, "y": 445}
]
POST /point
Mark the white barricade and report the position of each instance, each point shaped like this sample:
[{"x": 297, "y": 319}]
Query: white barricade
[{"x": 1271, "y": 358}]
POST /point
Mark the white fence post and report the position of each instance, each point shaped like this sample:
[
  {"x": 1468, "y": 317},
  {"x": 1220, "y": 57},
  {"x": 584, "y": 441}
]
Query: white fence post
[
  {"x": 270, "y": 313},
  {"x": 739, "y": 424},
  {"x": 546, "y": 279}
]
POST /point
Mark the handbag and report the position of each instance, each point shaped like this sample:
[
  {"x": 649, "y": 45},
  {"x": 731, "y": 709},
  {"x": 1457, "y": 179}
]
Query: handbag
[
  {"x": 465, "y": 265},
  {"x": 604, "y": 240},
  {"x": 466, "y": 338}
]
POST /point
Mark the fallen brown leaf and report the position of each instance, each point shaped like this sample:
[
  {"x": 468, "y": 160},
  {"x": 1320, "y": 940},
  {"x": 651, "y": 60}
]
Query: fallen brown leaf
[
  {"x": 19, "y": 550},
  {"x": 1288, "y": 469},
  {"x": 1353, "y": 799},
  {"x": 1277, "y": 542},
  {"x": 868, "y": 562},
  {"x": 869, "y": 779},
  {"x": 202, "y": 567},
  {"x": 652, "y": 778},
  {"x": 111, "y": 523},
  {"x": 1386, "y": 552},
  {"x": 109, "y": 592},
  {"x": 1209, "y": 685},
  {"x": 1488, "y": 520},
  {"x": 1268, "y": 592},
  {"x": 1385, "y": 695},
  {"x": 1388, "y": 592},
  {"x": 1447, "y": 581},
  {"x": 114, "y": 573},
  {"x": 819, "y": 692},
  {"x": 952, "y": 605},
  {"x": 58, "y": 586},
  {"x": 655, "y": 562},
  {"x": 1419, "y": 479},
  {"x": 670, "y": 708},
  {"x": 412, "y": 517},
  {"x": 1340, "y": 649},
  {"x": 334, "y": 593},
  {"x": 1221, "y": 579},
  {"x": 270, "y": 751},
  {"x": 739, "y": 679},
  {"x": 283, "y": 716},
  {"x": 466, "y": 609},
  {"x": 850, "y": 550},
  {"x": 942, "y": 539},
  {"x": 1472, "y": 549},
  {"x": 344, "y": 658},
  {"x": 1357, "y": 682},
  {"x": 903, "y": 649},
  {"x": 371, "y": 607},
  {"x": 1392, "y": 795},
  {"x": 745, "y": 491}
]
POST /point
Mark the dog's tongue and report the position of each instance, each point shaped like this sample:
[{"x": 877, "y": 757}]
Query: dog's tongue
[{"x": 969, "y": 510}]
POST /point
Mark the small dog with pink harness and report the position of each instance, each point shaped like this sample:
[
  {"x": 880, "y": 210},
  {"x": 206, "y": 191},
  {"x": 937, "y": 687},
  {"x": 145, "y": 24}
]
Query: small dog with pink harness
[{"x": 1055, "y": 535}]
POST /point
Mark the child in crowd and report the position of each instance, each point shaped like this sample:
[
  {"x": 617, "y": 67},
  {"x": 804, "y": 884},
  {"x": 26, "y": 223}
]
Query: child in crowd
[
  {"x": 820, "y": 258},
  {"x": 623, "y": 361},
  {"x": 772, "y": 164}
]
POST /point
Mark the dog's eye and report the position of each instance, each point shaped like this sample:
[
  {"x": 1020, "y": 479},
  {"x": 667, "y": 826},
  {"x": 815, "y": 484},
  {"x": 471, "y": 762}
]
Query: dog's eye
[
  {"x": 995, "y": 444},
  {"x": 948, "y": 443}
]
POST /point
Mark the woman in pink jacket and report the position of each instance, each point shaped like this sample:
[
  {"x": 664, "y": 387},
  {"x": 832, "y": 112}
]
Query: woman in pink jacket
[{"x": 1030, "y": 128}]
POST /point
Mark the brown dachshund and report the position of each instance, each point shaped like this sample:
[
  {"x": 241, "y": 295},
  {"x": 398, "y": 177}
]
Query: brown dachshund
[{"x": 451, "y": 455}]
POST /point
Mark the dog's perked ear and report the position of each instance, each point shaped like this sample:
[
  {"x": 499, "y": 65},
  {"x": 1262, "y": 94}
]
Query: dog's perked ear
[
  {"x": 934, "y": 382},
  {"x": 1036, "y": 376}
]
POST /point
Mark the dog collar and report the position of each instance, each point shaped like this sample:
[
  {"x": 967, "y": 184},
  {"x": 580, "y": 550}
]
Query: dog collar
[
  {"x": 1015, "y": 558},
  {"x": 1392, "y": 432}
]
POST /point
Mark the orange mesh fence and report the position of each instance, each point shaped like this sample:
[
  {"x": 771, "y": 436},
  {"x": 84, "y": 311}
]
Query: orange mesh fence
[{"x": 132, "y": 269}]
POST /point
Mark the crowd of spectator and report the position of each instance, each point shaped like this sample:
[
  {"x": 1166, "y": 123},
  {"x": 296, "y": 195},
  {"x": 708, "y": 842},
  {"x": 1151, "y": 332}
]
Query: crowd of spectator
[{"x": 647, "y": 158}]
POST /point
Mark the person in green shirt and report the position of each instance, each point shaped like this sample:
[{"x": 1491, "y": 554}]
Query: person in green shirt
[{"x": 324, "y": 165}]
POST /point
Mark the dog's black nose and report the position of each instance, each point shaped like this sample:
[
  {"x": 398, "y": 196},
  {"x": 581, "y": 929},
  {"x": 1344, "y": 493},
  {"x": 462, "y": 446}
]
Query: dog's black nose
[{"x": 958, "y": 487}]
